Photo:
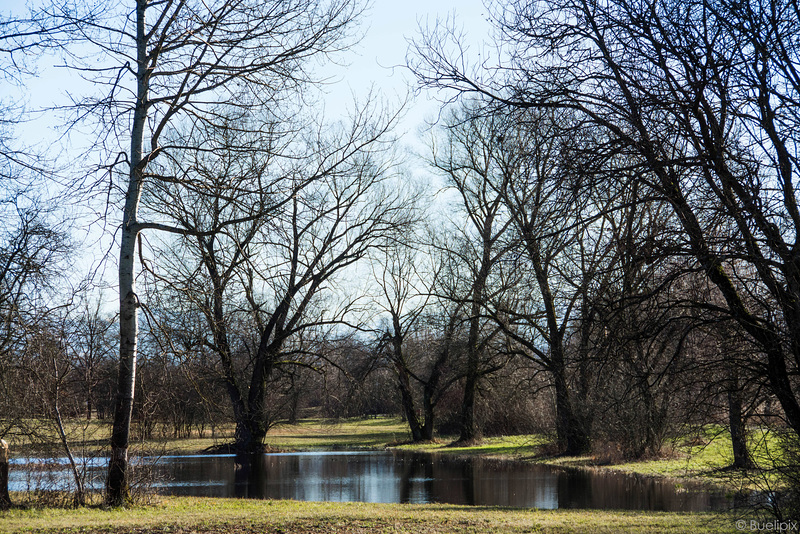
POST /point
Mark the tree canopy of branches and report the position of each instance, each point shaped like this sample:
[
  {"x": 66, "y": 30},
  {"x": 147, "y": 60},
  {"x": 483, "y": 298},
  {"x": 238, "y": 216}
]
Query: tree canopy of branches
[
  {"x": 295, "y": 218},
  {"x": 153, "y": 64},
  {"x": 698, "y": 97}
]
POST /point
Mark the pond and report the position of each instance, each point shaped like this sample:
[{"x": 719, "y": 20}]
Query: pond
[{"x": 399, "y": 477}]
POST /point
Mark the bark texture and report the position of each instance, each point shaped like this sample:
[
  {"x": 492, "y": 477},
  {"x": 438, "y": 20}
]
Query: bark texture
[{"x": 5, "y": 499}]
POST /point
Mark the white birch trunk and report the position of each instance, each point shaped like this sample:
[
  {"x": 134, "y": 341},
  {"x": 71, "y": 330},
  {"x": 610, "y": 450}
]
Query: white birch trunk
[{"x": 117, "y": 483}]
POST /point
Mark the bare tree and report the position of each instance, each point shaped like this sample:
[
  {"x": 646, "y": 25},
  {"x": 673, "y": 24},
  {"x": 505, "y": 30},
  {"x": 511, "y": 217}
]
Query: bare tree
[
  {"x": 696, "y": 95},
  {"x": 466, "y": 161},
  {"x": 48, "y": 369},
  {"x": 418, "y": 330},
  {"x": 560, "y": 244},
  {"x": 396, "y": 273},
  {"x": 279, "y": 227},
  {"x": 30, "y": 249},
  {"x": 91, "y": 344},
  {"x": 153, "y": 64}
]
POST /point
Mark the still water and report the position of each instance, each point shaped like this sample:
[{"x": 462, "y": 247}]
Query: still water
[{"x": 391, "y": 476}]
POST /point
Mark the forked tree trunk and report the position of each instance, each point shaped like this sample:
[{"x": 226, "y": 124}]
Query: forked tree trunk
[
  {"x": 469, "y": 428},
  {"x": 570, "y": 432},
  {"x": 572, "y": 435},
  {"x": 429, "y": 392},
  {"x": 404, "y": 383},
  {"x": 409, "y": 410}
]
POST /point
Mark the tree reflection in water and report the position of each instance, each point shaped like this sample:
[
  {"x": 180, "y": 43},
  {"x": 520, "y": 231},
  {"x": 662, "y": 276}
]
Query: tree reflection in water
[{"x": 383, "y": 476}]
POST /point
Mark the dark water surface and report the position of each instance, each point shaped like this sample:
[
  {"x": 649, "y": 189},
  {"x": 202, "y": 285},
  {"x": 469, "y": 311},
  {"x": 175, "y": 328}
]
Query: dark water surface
[{"x": 392, "y": 477}]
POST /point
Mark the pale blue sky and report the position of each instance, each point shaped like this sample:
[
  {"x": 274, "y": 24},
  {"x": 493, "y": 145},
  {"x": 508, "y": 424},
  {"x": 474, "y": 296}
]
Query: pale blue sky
[
  {"x": 377, "y": 61},
  {"x": 380, "y": 58}
]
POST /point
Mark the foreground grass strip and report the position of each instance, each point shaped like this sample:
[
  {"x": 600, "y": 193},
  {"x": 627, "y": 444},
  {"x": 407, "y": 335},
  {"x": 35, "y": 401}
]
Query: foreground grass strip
[{"x": 201, "y": 515}]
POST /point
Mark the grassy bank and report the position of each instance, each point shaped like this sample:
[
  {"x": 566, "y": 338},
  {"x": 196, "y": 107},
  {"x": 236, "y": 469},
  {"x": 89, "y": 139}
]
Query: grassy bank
[
  {"x": 91, "y": 438},
  {"x": 703, "y": 456},
  {"x": 200, "y": 515},
  {"x": 373, "y": 433}
]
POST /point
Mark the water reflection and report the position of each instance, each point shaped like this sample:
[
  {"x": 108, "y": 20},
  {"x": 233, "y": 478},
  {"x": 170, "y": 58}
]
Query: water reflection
[{"x": 414, "y": 478}]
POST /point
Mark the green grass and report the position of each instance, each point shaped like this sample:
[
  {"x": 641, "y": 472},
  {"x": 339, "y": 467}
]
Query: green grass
[
  {"x": 701, "y": 456},
  {"x": 199, "y": 515},
  {"x": 32, "y": 435},
  {"x": 516, "y": 447},
  {"x": 707, "y": 456},
  {"x": 310, "y": 434},
  {"x": 372, "y": 433}
]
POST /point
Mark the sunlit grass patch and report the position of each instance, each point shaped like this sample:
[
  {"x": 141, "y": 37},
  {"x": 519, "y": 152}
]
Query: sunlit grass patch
[
  {"x": 501, "y": 446},
  {"x": 704, "y": 455},
  {"x": 373, "y": 433},
  {"x": 191, "y": 514},
  {"x": 707, "y": 454}
]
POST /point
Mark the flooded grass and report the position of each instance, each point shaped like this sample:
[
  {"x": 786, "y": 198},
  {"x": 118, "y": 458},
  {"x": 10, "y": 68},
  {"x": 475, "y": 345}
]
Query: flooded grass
[{"x": 702, "y": 455}]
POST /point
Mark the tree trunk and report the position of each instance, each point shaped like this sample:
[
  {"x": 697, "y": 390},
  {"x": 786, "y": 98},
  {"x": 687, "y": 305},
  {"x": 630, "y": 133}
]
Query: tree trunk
[
  {"x": 469, "y": 430},
  {"x": 426, "y": 430},
  {"x": 249, "y": 435},
  {"x": 5, "y": 499},
  {"x": 467, "y": 418},
  {"x": 407, "y": 401},
  {"x": 117, "y": 484},
  {"x": 429, "y": 391},
  {"x": 295, "y": 401},
  {"x": 117, "y": 490},
  {"x": 251, "y": 428},
  {"x": 244, "y": 433},
  {"x": 570, "y": 433},
  {"x": 80, "y": 494},
  {"x": 404, "y": 383},
  {"x": 254, "y": 425},
  {"x": 741, "y": 455}
]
